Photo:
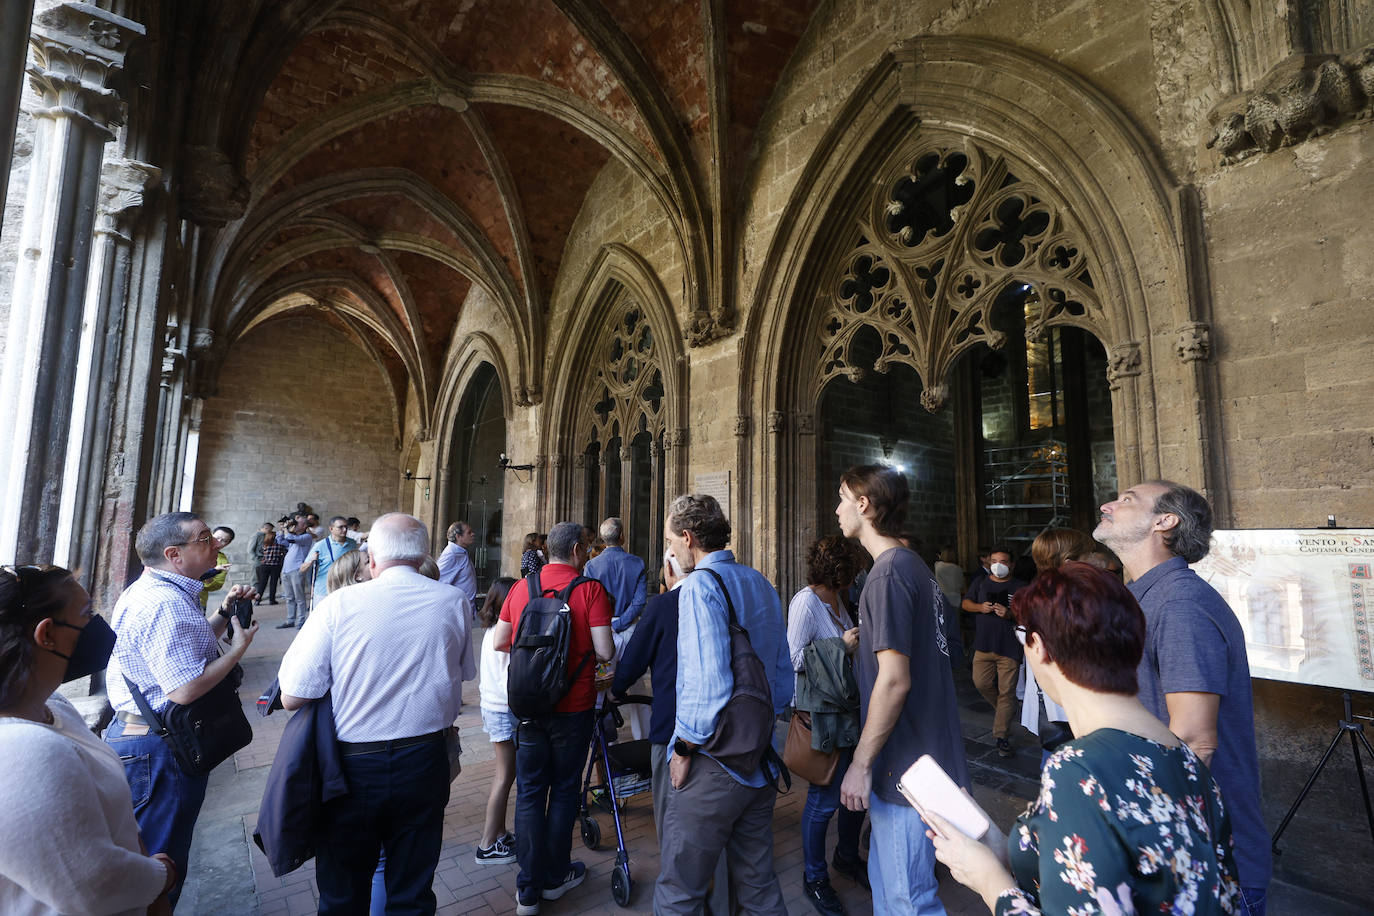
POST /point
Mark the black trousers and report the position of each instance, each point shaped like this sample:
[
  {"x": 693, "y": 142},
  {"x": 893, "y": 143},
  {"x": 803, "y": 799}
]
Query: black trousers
[{"x": 268, "y": 577}]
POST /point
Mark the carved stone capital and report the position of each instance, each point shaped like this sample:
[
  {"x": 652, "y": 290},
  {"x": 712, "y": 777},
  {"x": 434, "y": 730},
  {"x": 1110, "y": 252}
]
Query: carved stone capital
[
  {"x": 1123, "y": 363},
  {"x": 560, "y": 460},
  {"x": 743, "y": 425},
  {"x": 703, "y": 329},
  {"x": 580, "y": 461},
  {"x": 527, "y": 396},
  {"x": 806, "y": 424},
  {"x": 212, "y": 193},
  {"x": 777, "y": 421},
  {"x": 934, "y": 398},
  {"x": 202, "y": 339},
  {"x": 1194, "y": 342},
  {"x": 541, "y": 461},
  {"x": 123, "y": 185},
  {"x": 680, "y": 437},
  {"x": 76, "y": 48}
]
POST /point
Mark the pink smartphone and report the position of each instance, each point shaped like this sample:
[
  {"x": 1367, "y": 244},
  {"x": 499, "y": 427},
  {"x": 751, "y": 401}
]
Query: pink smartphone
[{"x": 928, "y": 787}]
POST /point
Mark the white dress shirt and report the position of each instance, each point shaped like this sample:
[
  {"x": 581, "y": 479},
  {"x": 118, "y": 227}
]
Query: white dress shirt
[{"x": 394, "y": 652}]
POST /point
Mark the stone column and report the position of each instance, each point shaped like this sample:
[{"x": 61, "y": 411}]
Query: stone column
[
  {"x": 76, "y": 47},
  {"x": 579, "y": 487},
  {"x": 15, "y": 16},
  {"x": 123, "y": 183},
  {"x": 656, "y": 488},
  {"x": 603, "y": 497}
]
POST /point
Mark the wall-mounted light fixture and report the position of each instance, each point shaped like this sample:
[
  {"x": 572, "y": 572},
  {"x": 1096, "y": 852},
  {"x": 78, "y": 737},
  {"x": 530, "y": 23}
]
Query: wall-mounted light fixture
[
  {"x": 411, "y": 477},
  {"x": 504, "y": 463}
]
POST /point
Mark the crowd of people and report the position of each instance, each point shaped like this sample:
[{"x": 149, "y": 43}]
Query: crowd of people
[{"x": 1140, "y": 693}]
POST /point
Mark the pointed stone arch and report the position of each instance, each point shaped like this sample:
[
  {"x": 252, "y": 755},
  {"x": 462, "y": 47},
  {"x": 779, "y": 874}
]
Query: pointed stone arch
[
  {"x": 1036, "y": 133},
  {"x": 592, "y": 388}
]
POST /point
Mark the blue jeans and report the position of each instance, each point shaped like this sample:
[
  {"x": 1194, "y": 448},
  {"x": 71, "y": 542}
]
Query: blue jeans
[
  {"x": 166, "y": 800},
  {"x": 395, "y": 802},
  {"x": 821, "y": 804},
  {"x": 548, "y": 777},
  {"x": 1254, "y": 900},
  {"x": 901, "y": 861}
]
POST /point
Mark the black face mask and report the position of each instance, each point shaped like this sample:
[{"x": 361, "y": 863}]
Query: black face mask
[{"x": 92, "y": 650}]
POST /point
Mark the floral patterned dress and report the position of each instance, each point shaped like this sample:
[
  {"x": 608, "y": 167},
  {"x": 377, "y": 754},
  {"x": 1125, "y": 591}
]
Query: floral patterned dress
[{"x": 1122, "y": 825}]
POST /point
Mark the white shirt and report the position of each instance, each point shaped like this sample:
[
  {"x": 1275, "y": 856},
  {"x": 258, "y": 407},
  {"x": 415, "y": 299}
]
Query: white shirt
[
  {"x": 70, "y": 841},
  {"x": 491, "y": 681},
  {"x": 394, "y": 652}
]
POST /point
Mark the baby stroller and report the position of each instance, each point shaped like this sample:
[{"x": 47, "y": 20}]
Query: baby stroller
[{"x": 627, "y": 770}]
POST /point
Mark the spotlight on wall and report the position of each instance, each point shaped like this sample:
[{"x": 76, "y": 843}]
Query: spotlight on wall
[{"x": 899, "y": 468}]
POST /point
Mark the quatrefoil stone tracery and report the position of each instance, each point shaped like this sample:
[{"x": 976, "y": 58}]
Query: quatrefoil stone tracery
[
  {"x": 626, "y": 392},
  {"x": 947, "y": 235}
]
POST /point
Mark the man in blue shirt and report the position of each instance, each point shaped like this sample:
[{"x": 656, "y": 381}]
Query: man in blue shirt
[
  {"x": 298, "y": 540},
  {"x": 455, "y": 563},
  {"x": 1194, "y": 674},
  {"x": 326, "y": 553},
  {"x": 712, "y": 808},
  {"x": 622, "y": 574}
]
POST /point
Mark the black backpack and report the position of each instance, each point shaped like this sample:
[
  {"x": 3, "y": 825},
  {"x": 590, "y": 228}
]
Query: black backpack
[
  {"x": 538, "y": 678},
  {"x": 744, "y": 730}
]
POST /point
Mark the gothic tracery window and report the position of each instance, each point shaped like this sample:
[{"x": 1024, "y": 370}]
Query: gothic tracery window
[{"x": 949, "y": 232}]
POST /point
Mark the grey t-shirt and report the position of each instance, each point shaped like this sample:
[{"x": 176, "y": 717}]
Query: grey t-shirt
[
  {"x": 902, "y": 609},
  {"x": 1194, "y": 643}
]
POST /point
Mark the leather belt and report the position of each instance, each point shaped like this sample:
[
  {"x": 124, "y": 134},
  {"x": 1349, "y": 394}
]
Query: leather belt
[
  {"x": 130, "y": 718},
  {"x": 353, "y": 749}
]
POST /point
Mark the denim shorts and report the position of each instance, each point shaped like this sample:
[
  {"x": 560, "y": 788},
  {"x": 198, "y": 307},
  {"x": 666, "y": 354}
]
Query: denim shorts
[{"x": 500, "y": 725}]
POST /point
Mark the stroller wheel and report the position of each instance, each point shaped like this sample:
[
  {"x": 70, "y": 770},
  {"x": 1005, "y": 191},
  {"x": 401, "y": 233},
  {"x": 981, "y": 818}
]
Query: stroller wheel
[
  {"x": 620, "y": 885},
  {"x": 591, "y": 832}
]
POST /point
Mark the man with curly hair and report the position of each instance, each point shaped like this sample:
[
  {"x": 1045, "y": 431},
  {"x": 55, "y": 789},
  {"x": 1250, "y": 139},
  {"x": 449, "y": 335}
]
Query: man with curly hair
[{"x": 1194, "y": 674}]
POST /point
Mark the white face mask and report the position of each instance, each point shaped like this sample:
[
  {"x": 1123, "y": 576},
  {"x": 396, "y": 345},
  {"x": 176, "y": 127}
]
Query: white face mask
[{"x": 1001, "y": 570}]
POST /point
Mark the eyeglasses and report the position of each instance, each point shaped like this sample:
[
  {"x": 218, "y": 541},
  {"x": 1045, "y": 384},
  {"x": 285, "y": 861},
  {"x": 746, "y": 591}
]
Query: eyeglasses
[
  {"x": 1021, "y": 635},
  {"x": 203, "y": 539}
]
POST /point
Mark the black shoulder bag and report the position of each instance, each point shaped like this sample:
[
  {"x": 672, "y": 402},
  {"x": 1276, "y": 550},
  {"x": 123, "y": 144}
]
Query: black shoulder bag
[{"x": 204, "y": 733}]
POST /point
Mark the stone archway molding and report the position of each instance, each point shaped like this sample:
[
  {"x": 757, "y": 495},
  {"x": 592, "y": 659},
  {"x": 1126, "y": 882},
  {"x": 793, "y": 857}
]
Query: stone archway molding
[
  {"x": 1074, "y": 140},
  {"x": 618, "y": 272}
]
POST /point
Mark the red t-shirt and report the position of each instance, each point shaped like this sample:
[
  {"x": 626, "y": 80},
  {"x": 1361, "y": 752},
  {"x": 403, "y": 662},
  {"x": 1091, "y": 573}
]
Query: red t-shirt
[{"x": 590, "y": 606}]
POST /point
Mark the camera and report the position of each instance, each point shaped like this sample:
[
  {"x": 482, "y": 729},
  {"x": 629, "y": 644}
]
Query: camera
[
  {"x": 287, "y": 520},
  {"x": 243, "y": 612}
]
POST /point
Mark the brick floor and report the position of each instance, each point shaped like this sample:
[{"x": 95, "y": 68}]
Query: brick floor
[{"x": 463, "y": 887}]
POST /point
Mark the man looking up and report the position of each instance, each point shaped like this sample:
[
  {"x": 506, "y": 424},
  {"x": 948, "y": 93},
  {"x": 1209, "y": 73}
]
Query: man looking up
[
  {"x": 298, "y": 541},
  {"x": 907, "y": 704},
  {"x": 393, "y": 654},
  {"x": 455, "y": 564},
  {"x": 623, "y": 576},
  {"x": 997, "y": 653},
  {"x": 171, "y": 653},
  {"x": 326, "y": 553},
  {"x": 711, "y": 808},
  {"x": 1194, "y": 674},
  {"x": 550, "y": 754}
]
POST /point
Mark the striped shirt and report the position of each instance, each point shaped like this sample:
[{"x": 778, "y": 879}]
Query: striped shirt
[{"x": 164, "y": 641}]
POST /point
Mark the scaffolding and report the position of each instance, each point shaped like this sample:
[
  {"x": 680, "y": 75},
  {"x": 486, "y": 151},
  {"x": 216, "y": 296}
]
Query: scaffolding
[{"x": 1026, "y": 490}]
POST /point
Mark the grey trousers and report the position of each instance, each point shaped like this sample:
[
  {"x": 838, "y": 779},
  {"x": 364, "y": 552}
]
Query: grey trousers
[
  {"x": 297, "y": 597},
  {"x": 712, "y": 814}
]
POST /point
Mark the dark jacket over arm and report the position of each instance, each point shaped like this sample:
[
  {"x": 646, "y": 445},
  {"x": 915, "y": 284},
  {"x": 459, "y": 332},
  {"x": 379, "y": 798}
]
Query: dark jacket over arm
[
  {"x": 306, "y": 773},
  {"x": 654, "y": 646}
]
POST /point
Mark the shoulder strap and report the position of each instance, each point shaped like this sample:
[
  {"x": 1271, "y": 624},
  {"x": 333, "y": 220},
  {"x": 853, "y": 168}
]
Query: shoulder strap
[
  {"x": 532, "y": 586},
  {"x": 153, "y": 719},
  {"x": 729, "y": 605},
  {"x": 577, "y": 580}
]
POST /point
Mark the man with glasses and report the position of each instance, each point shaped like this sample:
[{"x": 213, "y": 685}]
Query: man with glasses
[
  {"x": 172, "y": 654},
  {"x": 326, "y": 553}
]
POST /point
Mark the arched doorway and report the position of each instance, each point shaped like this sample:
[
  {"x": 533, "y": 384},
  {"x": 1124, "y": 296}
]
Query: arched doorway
[{"x": 476, "y": 489}]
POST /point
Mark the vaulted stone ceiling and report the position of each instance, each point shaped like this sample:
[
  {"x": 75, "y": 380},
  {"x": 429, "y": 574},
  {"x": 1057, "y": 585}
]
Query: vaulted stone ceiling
[{"x": 384, "y": 160}]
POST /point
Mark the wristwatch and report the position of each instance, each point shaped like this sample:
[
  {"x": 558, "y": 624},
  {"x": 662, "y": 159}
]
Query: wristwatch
[
  {"x": 683, "y": 749},
  {"x": 226, "y": 613}
]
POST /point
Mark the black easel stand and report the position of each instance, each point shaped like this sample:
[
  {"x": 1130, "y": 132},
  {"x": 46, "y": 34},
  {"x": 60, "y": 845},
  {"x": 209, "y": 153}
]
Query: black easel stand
[{"x": 1347, "y": 726}]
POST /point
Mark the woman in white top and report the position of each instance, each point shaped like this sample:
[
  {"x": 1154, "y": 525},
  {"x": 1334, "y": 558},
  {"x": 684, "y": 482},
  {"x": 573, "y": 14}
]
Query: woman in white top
[
  {"x": 496, "y": 846},
  {"x": 70, "y": 842},
  {"x": 817, "y": 612}
]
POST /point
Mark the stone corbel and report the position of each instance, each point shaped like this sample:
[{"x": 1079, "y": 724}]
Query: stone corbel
[
  {"x": 1303, "y": 96},
  {"x": 541, "y": 461},
  {"x": 124, "y": 184},
  {"x": 1123, "y": 363},
  {"x": 559, "y": 461},
  {"x": 1193, "y": 342},
  {"x": 777, "y": 421},
  {"x": 213, "y": 193},
  {"x": 934, "y": 398},
  {"x": 742, "y": 425},
  {"x": 580, "y": 461},
  {"x": 76, "y": 48}
]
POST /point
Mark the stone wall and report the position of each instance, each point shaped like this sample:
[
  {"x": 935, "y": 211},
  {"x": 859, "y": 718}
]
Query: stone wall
[{"x": 302, "y": 415}]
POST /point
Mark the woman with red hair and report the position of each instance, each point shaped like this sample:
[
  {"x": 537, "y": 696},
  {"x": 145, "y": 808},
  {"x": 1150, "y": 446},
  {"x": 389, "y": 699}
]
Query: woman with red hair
[{"x": 1128, "y": 819}]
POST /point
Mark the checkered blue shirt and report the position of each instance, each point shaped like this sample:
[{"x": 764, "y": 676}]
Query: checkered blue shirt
[{"x": 164, "y": 641}]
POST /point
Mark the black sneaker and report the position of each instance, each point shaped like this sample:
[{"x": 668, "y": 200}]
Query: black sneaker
[
  {"x": 824, "y": 898},
  {"x": 285, "y": 625},
  {"x": 854, "y": 869},
  {"x": 1004, "y": 748},
  {"x": 497, "y": 853},
  {"x": 576, "y": 872}
]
